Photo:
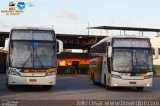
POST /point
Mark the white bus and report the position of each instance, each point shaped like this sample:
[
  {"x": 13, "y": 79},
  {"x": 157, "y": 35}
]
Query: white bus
[
  {"x": 31, "y": 58},
  {"x": 122, "y": 61}
]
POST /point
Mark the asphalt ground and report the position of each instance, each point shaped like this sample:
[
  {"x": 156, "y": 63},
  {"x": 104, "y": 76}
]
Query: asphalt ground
[{"x": 79, "y": 87}]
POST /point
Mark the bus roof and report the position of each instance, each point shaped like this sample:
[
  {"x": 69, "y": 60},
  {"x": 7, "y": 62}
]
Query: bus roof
[
  {"x": 32, "y": 28},
  {"x": 119, "y": 36}
]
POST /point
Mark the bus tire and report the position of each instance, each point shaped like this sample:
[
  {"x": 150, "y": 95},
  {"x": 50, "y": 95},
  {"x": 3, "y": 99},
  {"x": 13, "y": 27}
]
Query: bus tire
[
  {"x": 93, "y": 80},
  {"x": 108, "y": 87},
  {"x": 46, "y": 87},
  {"x": 10, "y": 87},
  {"x": 139, "y": 88},
  {"x": 105, "y": 83}
]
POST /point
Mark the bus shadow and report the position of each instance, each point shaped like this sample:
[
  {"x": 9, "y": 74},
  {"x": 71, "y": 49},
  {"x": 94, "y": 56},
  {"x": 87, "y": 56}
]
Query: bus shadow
[
  {"x": 70, "y": 84},
  {"x": 27, "y": 88},
  {"x": 119, "y": 89},
  {"x": 62, "y": 84}
]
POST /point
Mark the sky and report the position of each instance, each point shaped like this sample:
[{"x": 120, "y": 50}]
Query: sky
[{"x": 74, "y": 16}]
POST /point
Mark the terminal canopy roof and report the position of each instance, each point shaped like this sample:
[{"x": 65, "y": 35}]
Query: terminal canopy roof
[
  {"x": 71, "y": 41},
  {"x": 126, "y": 28}
]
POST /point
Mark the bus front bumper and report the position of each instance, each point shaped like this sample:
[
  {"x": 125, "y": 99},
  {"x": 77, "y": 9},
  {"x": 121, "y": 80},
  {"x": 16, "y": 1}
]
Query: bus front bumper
[
  {"x": 115, "y": 82},
  {"x": 20, "y": 80}
]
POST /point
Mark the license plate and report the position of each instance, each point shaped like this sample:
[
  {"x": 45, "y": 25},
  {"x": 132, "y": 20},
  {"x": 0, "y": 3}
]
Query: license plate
[
  {"x": 32, "y": 80},
  {"x": 132, "y": 82}
]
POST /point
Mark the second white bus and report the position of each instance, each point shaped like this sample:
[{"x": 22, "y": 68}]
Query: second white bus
[{"x": 122, "y": 61}]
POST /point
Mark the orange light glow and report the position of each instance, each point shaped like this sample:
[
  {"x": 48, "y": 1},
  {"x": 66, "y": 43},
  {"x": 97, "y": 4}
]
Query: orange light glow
[{"x": 68, "y": 61}]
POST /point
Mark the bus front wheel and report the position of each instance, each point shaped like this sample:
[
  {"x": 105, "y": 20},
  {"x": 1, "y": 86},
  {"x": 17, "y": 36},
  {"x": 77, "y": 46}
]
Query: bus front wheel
[
  {"x": 105, "y": 84},
  {"x": 47, "y": 87},
  {"x": 140, "y": 88},
  {"x": 93, "y": 80},
  {"x": 108, "y": 87},
  {"x": 10, "y": 87}
]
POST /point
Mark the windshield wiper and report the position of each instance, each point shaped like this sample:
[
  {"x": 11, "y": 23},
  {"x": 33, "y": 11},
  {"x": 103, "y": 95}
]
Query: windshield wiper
[
  {"x": 26, "y": 61},
  {"x": 40, "y": 61}
]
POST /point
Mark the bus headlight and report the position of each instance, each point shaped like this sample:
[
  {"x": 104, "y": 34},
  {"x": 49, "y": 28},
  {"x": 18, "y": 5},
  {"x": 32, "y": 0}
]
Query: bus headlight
[
  {"x": 14, "y": 73},
  {"x": 116, "y": 76},
  {"x": 50, "y": 73},
  {"x": 148, "y": 76}
]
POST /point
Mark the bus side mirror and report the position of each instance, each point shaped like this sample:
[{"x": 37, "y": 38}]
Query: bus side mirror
[
  {"x": 6, "y": 46},
  {"x": 59, "y": 46},
  {"x": 110, "y": 51}
]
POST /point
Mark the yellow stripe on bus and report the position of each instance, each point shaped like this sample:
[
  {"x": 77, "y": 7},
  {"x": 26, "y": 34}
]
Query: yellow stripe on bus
[{"x": 40, "y": 70}]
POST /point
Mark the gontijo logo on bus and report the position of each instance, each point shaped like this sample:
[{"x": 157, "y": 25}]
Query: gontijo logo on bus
[{"x": 39, "y": 71}]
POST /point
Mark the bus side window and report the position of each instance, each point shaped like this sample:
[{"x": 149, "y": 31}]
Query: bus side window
[
  {"x": 108, "y": 43},
  {"x": 105, "y": 47},
  {"x": 108, "y": 59},
  {"x": 109, "y": 65},
  {"x": 102, "y": 48}
]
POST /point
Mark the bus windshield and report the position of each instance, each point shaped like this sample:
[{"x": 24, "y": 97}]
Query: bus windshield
[
  {"x": 132, "y": 60},
  {"x": 142, "y": 60},
  {"x": 32, "y": 54},
  {"x": 122, "y": 60}
]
